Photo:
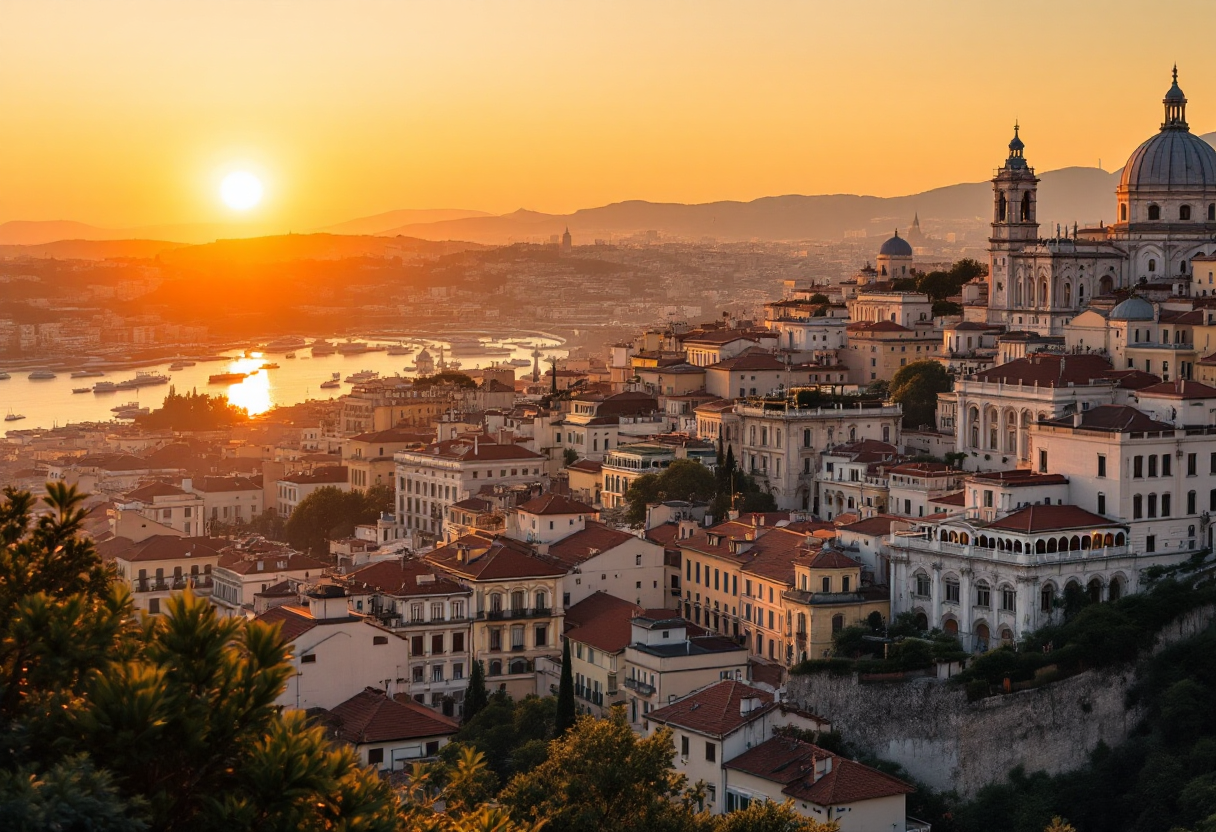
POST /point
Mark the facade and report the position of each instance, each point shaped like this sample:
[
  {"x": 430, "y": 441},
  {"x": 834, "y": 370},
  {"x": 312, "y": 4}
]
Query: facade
[
  {"x": 161, "y": 508},
  {"x": 154, "y": 568},
  {"x": 876, "y": 351},
  {"x": 293, "y": 488},
  {"x": 368, "y": 457},
  {"x": 240, "y": 575},
  {"x": 389, "y": 734},
  {"x": 227, "y": 500}
]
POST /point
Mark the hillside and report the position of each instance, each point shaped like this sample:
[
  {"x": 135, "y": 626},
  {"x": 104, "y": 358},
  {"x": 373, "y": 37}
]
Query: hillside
[
  {"x": 85, "y": 249},
  {"x": 386, "y": 224},
  {"x": 293, "y": 247}
]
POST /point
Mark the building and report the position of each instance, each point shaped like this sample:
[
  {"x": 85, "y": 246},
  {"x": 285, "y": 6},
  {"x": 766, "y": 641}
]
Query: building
[
  {"x": 389, "y": 734},
  {"x": 829, "y": 594},
  {"x": 158, "y": 508},
  {"x": 369, "y": 457},
  {"x": 877, "y": 350},
  {"x": 627, "y": 463},
  {"x": 1166, "y": 209},
  {"x": 227, "y": 500},
  {"x": 154, "y": 568},
  {"x": 243, "y": 573},
  {"x": 598, "y": 629},
  {"x": 293, "y": 488}
]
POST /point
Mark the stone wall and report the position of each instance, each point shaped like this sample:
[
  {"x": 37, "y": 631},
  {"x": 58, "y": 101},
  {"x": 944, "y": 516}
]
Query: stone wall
[{"x": 930, "y": 728}]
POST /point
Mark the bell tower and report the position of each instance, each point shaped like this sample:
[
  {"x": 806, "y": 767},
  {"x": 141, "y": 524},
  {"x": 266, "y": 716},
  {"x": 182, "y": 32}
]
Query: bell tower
[{"x": 1014, "y": 226}]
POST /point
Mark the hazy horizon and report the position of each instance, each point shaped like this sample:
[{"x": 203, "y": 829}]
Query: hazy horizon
[{"x": 554, "y": 107}]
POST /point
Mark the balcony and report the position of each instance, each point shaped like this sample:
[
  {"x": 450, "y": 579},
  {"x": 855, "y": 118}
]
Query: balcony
[
  {"x": 197, "y": 582},
  {"x": 521, "y": 612},
  {"x": 593, "y": 696},
  {"x": 641, "y": 687}
]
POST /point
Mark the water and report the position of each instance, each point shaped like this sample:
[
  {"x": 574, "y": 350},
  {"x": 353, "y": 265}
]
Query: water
[{"x": 52, "y": 402}]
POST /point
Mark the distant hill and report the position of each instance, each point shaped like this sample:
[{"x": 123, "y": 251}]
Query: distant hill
[
  {"x": 90, "y": 249},
  {"x": 32, "y": 232},
  {"x": 386, "y": 224},
  {"x": 286, "y": 248}
]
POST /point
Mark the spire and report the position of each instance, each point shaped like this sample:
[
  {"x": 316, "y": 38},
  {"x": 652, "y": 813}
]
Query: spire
[
  {"x": 1016, "y": 147},
  {"x": 1175, "y": 106}
]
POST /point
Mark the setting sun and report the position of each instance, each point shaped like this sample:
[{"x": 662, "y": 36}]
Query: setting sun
[{"x": 241, "y": 190}]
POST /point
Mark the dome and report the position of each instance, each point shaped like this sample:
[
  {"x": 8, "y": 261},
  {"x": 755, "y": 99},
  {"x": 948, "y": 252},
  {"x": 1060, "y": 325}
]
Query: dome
[
  {"x": 1172, "y": 159},
  {"x": 896, "y": 247},
  {"x": 1132, "y": 309}
]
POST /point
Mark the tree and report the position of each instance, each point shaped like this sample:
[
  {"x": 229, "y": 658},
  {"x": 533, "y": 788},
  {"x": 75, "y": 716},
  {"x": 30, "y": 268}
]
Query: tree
[
  {"x": 601, "y": 776},
  {"x": 452, "y": 798},
  {"x": 193, "y": 411},
  {"x": 916, "y": 387},
  {"x": 169, "y": 723},
  {"x": 683, "y": 479},
  {"x": 475, "y": 696},
  {"x": 565, "y": 692},
  {"x": 330, "y": 513},
  {"x": 819, "y": 298},
  {"x": 766, "y": 816}
]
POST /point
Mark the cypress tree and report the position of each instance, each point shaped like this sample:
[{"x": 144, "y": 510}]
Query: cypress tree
[
  {"x": 565, "y": 693},
  {"x": 475, "y": 697}
]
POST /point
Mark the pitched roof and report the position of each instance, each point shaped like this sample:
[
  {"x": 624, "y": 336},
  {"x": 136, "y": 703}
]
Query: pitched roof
[
  {"x": 585, "y": 544},
  {"x": 714, "y": 710},
  {"x": 272, "y": 563},
  {"x": 602, "y": 621},
  {"x": 793, "y": 763},
  {"x": 404, "y": 577},
  {"x": 555, "y": 504},
  {"x": 879, "y": 524},
  {"x": 172, "y": 547},
  {"x": 152, "y": 490},
  {"x": 481, "y": 558},
  {"x": 329, "y": 474},
  {"x": 294, "y": 621},
  {"x": 1179, "y": 389},
  {"x": 1019, "y": 478},
  {"x": 587, "y": 466},
  {"x": 468, "y": 450},
  {"x": 831, "y": 559},
  {"x": 1049, "y": 370},
  {"x": 370, "y": 716},
  {"x": 876, "y": 326},
  {"x": 1043, "y": 518},
  {"x": 1112, "y": 418},
  {"x": 214, "y": 485}
]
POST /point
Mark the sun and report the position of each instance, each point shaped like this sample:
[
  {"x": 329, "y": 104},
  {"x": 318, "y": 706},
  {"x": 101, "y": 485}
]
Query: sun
[{"x": 241, "y": 190}]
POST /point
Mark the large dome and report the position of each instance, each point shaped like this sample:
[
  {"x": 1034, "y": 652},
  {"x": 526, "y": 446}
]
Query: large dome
[
  {"x": 896, "y": 247},
  {"x": 1132, "y": 309},
  {"x": 1172, "y": 159}
]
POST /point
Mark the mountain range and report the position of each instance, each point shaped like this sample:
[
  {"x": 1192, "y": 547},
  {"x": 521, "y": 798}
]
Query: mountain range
[{"x": 1075, "y": 194}]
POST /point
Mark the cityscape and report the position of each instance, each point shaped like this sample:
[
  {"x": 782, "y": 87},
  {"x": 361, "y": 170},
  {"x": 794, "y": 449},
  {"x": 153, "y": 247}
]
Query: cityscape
[{"x": 716, "y": 490}]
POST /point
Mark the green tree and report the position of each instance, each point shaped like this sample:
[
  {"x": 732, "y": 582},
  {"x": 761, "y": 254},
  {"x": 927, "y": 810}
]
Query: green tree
[
  {"x": 915, "y": 387},
  {"x": 818, "y": 298},
  {"x": 565, "y": 692},
  {"x": 600, "y": 775},
  {"x": 475, "y": 696},
  {"x": 767, "y": 816},
  {"x": 683, "y": 479},
  {"x": 169, "y": 722},
  {"x": 330, "y": 513},
  {"x": 193, "y": 411}
]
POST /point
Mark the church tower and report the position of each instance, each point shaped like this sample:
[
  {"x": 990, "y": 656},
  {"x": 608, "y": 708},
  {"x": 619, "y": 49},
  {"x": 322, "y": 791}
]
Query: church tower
[{"x": 1014, "y": 226}]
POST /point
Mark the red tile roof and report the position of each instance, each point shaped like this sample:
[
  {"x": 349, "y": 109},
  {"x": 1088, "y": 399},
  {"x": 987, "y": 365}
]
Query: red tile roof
[
  {"x": 714, "y": 710},
  {"x": 404, "y": 578},
  {"x": 792, "y": 763},
  {"x": 481, "y": 558},
  {"x": 1019, "y": 478},
  {"x": 331, "y": 475},
  {"x": 880, "y": 524},
  {"x": 586, "y": 465},
  {"x": 272, "y": 564},
  {"x": 584, "y": 545},
  {"x": 555, "y": 504},
  {"x": 1179, "y": 389},
  {"x": 831, "y": 559},
  {"x": 958, "y": 498},
  {"x": 146, "y": 493},
  {"x": 370, "y": 716},
  {"x": 877, "y": 326},
  {"x": 1045, "y": 518},
  {"x": 603, "y": 621},
  {"x": 1113, "y": 418},
  {"x": 172, "y": 547},
  {"x": 215, "y": 485},
  {"x": 293, "y": 621},
  {"x": 1049, "y": 370}
]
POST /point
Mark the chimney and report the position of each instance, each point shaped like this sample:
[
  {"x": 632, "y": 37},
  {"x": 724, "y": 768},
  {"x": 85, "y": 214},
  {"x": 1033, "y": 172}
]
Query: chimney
[
  {"x": 1076, "y": 420},
  {"x": 187, "y": 484}
]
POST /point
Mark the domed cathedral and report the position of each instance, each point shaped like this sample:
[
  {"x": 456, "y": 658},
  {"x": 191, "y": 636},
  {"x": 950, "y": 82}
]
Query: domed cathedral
[
  {"x": 895, "y": 258},
  {"x": 1166, "y": 217}
]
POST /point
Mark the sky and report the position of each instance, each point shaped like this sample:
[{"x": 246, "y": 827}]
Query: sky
[{"x": 125, "y": 113}]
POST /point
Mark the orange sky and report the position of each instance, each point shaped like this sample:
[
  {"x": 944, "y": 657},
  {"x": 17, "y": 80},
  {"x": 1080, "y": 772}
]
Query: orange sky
[{"x": 129, "y": 113}]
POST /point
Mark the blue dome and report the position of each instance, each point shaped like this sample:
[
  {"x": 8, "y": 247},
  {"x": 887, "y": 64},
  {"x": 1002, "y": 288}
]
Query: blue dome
[
  {"x": 1132, "y": 309},
  {"x": 896, "y": 247}
]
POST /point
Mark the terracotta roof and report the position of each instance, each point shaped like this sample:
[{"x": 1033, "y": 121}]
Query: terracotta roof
[
  {"x": 958, "y": 498},
  {"x": 331, "y": 475},
  {"x": 923, "y": 469},
  {"x": 877, "y": 326},
  {"x": 1179, "y": 389},
  {"x": 664, "y": 534},
  {"x": 587, "y": 466},
  {"x": 1113, "y": 418},
  {"x": 555, "y": 504},
  {"x": 602, "y": 621},
  {"x": 172, "y": 547},
  {"x": 831, "y": 559},
  {"x": 466, "y": 450},
  {"x": 1019, "y": 478},
  {"x": 714, "y": 710},
  {"x": 293, "y": 621},
  {"x": 370, "y": 716},
  {"x": 272, "y": 563},
  {"x": 792, "y": 763},
  {"x": 584, "y": 545},
  {"x": 214, "y": 485},
  {"x": 751, "y": 360},
  {"x": 404, "y": 578},
  {"x": 880, "y": 524},
  {"x": 1043, "y": 518},
  {"x": 1133, "y": 379},
  {"x": 395, "y": 435},
  {"x": 494, "y": 558},
  {"x": 146, "y": 493},
  {"x": 1049, "y": 370}
]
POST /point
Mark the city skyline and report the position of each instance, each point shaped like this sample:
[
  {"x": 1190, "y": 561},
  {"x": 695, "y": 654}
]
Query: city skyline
[{"x": 551, "y": 108}]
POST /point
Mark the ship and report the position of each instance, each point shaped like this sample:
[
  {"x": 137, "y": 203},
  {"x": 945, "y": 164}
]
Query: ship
[
  {"x": 227, "y": 378},
  {"x": 269, "y": 366},
  {"x": 40, "y": 375},
  {"x": 121, "y": 407},
  {"x": 105, "y": 387},
  {"x": 352, "y": 347},
  {"x": 132, "y": 412},
  {"x": 82, "y": 389},
  {"x": 181, "y": 364},
  {"x": 323, "y": 348},
  {"x": 4, "y": 376},
  {"x": 362, "y": 375},
  {"x": 331, "y": 384},
  {"x": 87, "y": 374},
  {"x": 290, "y": 355},
  {"x": 400, "y": 349},
  {"x": 143, "y": 379},
  {"x": 466, "y": 346},
  {"x": 291, "y": 342},
  {"x": 519, "y": 362},
  {"x": 12, "y": 417}
]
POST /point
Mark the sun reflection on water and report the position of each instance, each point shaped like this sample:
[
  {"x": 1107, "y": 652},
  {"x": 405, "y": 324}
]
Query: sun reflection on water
[{"x": 253, "y": 393}]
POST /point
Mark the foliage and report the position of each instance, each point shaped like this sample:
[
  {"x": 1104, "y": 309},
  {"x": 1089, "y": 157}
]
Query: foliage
[
  {"x": 447, "y": 378},
  {"x": 577, "y": 789},
  {"x": 475, "y": 696},
  {"x": 168, "y": 723},
  {"x": 818, "y": 298},
  {"x": 566, "y": 711},
  {"x": 569, "y": 456},
  {"x": 330, "y": 514},
  {"x": 683, "y": 479},
  {"x": 453, "y": 797},
  {"x": 511, "y": 734},
  {"x": 193, "y": 411},
  {"x": 915, "y": 387},
  {"x": 946, "y": 308},
  {"x": 737, "y": 490},
  {"x": 858, "y": 649},
  {"x": 766, "y": 816},
  {"x": 941, "y": 285}
]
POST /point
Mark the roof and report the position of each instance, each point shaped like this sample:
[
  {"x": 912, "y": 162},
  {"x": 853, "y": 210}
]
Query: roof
[
  {"x": 554, "y": 504},
  {"x": 1132, "y": 309},
  {"x": 171, "y": 547},
  {"x": 473, "y": 504},
  {"x": 1046, "y": 518},
  {"x": 1049, "y": 370},
  {"x": 1173, "y": 159},
  {"x": 147, "y": 493},
  {"x": 752, "y": 359},
  {"x": 214, "y": 485},
  {"x": 586, "y": 465},
  {"x": 896, "y": 247},
  {"x": 877, "y": 525},
  {"x": 827, "y": 558},
  {"x": 1179, "y": 389},
  {"x": 714, "y": 710},
  {"x": 481, "y": 558},
  {"x": 404, "y": 578},
  {"x": 792, "y": 763},
  {"x": 587, "y": 543},
  {"x": 602, "y": 621},
  {"x": 272, "y": 563},
  {"x": 370, "y": 716},
  {"x": 331, "y": 474},
  {"x": 1019, "y": 478},
  {"x": 394, "y": 435},
  {"x": 468, "y": 450},
  {"x": 877, "y": 326},
  {"x": 1112, "y": 418},
  {"x": 293, "y": 621}
]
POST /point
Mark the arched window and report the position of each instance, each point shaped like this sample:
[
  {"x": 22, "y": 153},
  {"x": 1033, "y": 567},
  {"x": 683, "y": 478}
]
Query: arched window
[
  {"x": 496, "y": 667},
  {"x": 1002, "y": 206},
  {"x": 1184, "y": 212},
  {"x": 541, "y": 600},
  {"x": 517, "y": 600},
  {"x": 1123, "y": 212},
  {"x": 1154, "y": 212},
  {"x": 1152, "y": 265},
  {"x": 1067, "y": 294},
  {"x": 1116, "y": 589},
  {"x": 1095, "y": 589},
  {"x": 1026, "y": 207},
  {"x": 1105, "y": 285},
  {"x": 1212, "y": 212},
  {"x": 1047, "y": 597},
  {"x": 496, "y": 602}
]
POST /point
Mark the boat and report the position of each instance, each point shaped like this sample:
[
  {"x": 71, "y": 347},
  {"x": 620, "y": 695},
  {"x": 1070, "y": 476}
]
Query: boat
[
  {"x": 87, "y": 374},
  {"x": 227, "y": 378},
  {"x": 269, "y": 366},
  {"x": 105, "y": 387},
  {"x": 181, "y": 364},
  {"x": 291, "y": 342},
  {"x": 519, "y": 362},
  {"x": 82, "y": 389},
  {"x": 323, "y": 348},
  {"x": 290, "y": 355},
  {"x": 142, "y": 379},
  {"x": 352, "y": 347},
  {"x": 132, "y": 412},
  {"x": 4, "y": 376},
  {"x": 400, "y": 349},
  {"x": 362, "y": 375},
  {"x": 331, "y": 384},
  {"x": 121, "y": 407},
  {"x": 12, "y": 417},
  {"x": 40, "y": 375},
  {"x": 466, "y": 346}
]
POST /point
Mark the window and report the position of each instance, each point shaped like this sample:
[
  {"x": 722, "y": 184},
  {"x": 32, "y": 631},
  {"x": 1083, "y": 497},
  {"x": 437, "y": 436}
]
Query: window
[
  {"x": 1150, "y": 543},
  {"x": 1008, "y": 599},
  {"x": 827, "y": 585},
  {"x": 1101, "y": 465},
  {"x": 952, "y": 594},
  {"x": 1046, "y": 598},
  {"x": 1138, "y": 467},
  {"x": 983, "y": 595},
  {"x": 684, "y": 747},
  {"x": 1152, "y": 505},
  {"x": 1166, "y": 465},
  {"x": 1165, "y": 505},
  {"x": 1101, "y": 503},
  {"x": 542, "y": 635},
  {"x": 457, "y": 642},
  {"x": 1152, "y": 465},
  {"x": 416, "y": 648},
  {"x": 987, "y": 498},
  {"x": 437, "y": 645},
  {"x": 307, "y": 658},
  {"x": 1192, "y": 464},
  {"x": 379, "y": 640},
  {"x": 1190, "y": 502},
  {"x": 1184, "y": 212},
  {"x": 458, "y": 670},
  {"x": 844, "y": 584},
  {"x": 1042, "y": 460},
  {"x": 437, "y": 673},
  {"x": 922, "y": 585},
  {"x": 375, "y": 756},
  {"x": 711, "y": 752},
  {"x": 1138, "y": 505},
  {"x": 1154, "y": 213},
  {"x": 837, "y": 623}
]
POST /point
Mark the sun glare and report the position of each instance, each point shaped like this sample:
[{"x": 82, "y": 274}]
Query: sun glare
[{"x": 241, "y": 190}]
